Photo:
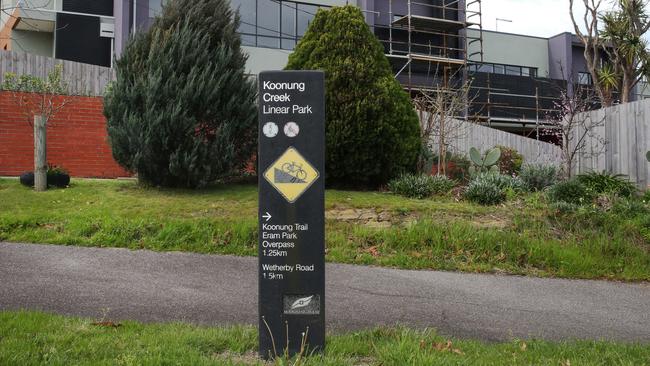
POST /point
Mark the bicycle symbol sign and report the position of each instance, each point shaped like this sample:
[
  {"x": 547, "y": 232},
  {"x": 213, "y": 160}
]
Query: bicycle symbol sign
[{"x": 291, "y": 175}]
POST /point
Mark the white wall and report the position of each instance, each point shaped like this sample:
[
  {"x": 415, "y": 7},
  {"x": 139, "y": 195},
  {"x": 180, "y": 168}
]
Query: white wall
[
  {"x": 264, "y": 59},
  {"x": 513, "y": 49}
]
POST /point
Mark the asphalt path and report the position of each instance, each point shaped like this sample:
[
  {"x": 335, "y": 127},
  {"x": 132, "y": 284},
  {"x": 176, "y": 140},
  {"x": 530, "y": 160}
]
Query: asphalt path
[{"x": 220, "y": 290}]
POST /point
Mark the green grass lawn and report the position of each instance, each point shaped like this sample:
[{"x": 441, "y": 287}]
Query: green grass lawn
[
  {"x": 33, "y": 338},
  {"x": 523, "y": 236}
]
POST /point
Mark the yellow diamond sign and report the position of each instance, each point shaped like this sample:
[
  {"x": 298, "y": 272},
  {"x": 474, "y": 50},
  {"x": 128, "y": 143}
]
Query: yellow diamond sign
[{"x": 291, "y": 175}]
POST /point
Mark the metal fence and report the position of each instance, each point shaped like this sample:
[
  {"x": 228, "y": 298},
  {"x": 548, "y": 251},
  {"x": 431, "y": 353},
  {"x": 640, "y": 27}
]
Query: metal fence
[
  {"x": 626, "y": 136},
  {"x": 83, "y": 79}
]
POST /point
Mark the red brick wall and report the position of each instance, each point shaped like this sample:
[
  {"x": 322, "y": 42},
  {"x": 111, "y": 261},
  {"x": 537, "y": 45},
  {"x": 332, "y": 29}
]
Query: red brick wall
[{"x": 76, "y": 140}]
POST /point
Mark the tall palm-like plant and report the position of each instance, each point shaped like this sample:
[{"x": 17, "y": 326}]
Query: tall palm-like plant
[{"x": 622, "y": 34}]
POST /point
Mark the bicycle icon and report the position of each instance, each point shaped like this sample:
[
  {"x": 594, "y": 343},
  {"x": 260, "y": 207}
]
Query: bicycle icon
[{"x": 294, "y": 169}]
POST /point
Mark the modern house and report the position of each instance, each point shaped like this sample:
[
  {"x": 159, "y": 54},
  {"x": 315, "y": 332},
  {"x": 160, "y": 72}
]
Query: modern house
[
  {"x": 515, "y": 78},
  {"x": 75, "y": 30}
]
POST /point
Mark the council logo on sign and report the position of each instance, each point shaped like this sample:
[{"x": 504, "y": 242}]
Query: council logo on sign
[{"x": 291, "y": 175}]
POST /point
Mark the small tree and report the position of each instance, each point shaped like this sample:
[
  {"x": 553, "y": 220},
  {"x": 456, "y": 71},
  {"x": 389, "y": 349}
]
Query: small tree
[
  {"x": 372, "y": 130},
  {"x": 574, "y": 126},
  {"x": 181, "y": 112},
  {"x": 443, "y": 108},
  {"x": 40, "y": 100},
  {"x": 590, "y": 38}
]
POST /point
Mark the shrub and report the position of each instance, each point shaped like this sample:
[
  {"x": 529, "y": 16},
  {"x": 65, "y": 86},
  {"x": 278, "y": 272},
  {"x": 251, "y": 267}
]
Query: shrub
[
  {"x": 571, "y": 191},
  {"x": 646, "y": 197},
  {"x": 484, "y": 192},
  {"x": 630, "y": 207},
  {"x": 421, "y": 186},
  {"x": 603, "y": 183},
  {"x": 56, "y": 176},
  {"x": 182, "y": 112},
  {"x": 511, "y": 161},
  {"x": 503, "y": 182},
  {"x": 27, "y": 179},
  {"x": 457, "y": 166},
  {"x": 538, "y": 177},
  {"x": 372, "y": 130}
]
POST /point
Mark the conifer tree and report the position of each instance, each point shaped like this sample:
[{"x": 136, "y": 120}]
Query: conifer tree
[
  {"x": 181, "y": 112},
  {"x": 372, "y": 130}
]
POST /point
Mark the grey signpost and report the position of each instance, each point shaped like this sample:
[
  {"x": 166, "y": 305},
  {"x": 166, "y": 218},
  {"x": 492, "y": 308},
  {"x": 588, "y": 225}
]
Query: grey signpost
[{"x": 291, "y": 246}]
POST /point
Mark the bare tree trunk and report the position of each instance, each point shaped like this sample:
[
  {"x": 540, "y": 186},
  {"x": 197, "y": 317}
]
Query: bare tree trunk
[
  {"x": 40, "y": 154},
  {"x": 628, "y": 88},
  {"x": 442, "y": 154}
]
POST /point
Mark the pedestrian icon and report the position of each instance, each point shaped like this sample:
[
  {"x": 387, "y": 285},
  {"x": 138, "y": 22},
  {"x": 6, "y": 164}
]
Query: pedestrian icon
[{"x": 291, "y": 175}]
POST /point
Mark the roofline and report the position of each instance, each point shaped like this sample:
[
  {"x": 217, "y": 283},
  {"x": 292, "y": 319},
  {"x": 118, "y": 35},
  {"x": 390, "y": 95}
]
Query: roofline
[
  {"x": 525, "y": 35},
  {"x": 511, "y": 34}
]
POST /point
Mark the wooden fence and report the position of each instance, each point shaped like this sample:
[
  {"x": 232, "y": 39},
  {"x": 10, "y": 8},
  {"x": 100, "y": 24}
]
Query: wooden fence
[
  {"x": 626, "y": 136},
  {"x": 83, "y": 79},
  {"x": 468, "y": 135},
  {"x": 617, "y": 146}
]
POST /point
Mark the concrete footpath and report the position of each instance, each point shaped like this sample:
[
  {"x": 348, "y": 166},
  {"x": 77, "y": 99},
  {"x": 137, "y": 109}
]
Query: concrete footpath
[{"x": 219, "y": 290}]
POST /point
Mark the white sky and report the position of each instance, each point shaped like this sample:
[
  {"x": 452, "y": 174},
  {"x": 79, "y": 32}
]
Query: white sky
[{"x": 543, "y": 18}]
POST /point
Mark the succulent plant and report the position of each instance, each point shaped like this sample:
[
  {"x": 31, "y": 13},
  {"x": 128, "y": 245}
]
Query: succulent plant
[{"x": 484, "y": 163}]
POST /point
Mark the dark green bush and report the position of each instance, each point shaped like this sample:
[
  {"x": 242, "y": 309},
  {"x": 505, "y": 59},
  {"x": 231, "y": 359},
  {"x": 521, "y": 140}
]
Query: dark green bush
[
  {"x": 181, "y": 112},
  {"x": 571, "y": 191},
  {"x": 538, "y": 177},
  {"x": 372, "y": 130},
  {"x": 646, "y": 197},
  {"x": 421, "y": 186},
  {"x": 510, "y": 161},
  {"x": 56, "y": 177},
  {"x": 603, "y": 183}
]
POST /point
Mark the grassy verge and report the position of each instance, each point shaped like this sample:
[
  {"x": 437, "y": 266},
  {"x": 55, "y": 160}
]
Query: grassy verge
[
  {"x": 31, "y": 338},
  {"x": 524, "y": 236}
]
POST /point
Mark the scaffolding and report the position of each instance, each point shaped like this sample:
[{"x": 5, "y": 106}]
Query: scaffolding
[
  {"x": 433, "y": 46},
  {"x": 426, "y": 38}
]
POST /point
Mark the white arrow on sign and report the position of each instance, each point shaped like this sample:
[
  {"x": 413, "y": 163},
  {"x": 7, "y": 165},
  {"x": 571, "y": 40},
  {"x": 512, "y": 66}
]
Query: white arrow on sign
[{"x": 267, "y": 216}]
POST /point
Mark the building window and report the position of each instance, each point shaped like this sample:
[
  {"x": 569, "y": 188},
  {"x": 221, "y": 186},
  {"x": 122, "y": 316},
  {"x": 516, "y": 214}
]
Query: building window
[
  {"x": 513, "y": 70},
  {"x": 268, "y": 24},
  {"x": 504, "y": 69},
  {"x": 584, "y": 78},
  {"x": 273, "y": 23},
  {"x": 288, "y": 25}
]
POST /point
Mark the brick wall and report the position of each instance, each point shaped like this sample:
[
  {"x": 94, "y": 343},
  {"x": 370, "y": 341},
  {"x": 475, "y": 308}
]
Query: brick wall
[{"x": 76, "y": 140}]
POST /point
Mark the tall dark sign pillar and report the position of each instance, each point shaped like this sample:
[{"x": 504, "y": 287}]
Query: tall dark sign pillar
[{"x": 291, "y": 212}]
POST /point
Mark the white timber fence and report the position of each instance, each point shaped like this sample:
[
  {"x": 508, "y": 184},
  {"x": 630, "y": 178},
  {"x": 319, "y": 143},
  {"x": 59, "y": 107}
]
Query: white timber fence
[
  {"x": 466, "y": 135},
  {"x": 83, "y": 79},
  {"x": 621, "y": 144}
]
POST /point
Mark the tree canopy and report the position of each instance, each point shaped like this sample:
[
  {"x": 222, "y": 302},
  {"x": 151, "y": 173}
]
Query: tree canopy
[
  {"x": 181, "y": 112},
  {"x": 372, "y": 130}
]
